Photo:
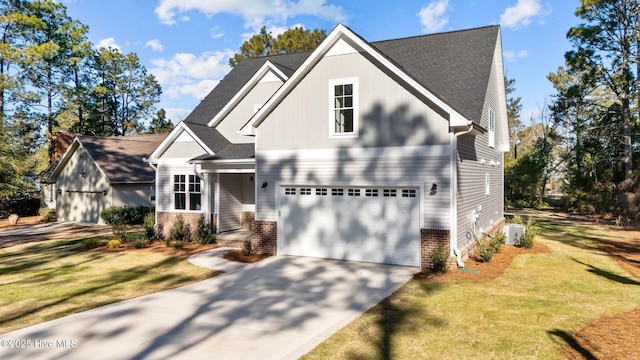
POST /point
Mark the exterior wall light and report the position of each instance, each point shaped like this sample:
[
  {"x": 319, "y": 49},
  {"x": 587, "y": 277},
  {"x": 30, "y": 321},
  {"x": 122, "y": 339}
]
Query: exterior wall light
[{"x": 264, "y": 185}]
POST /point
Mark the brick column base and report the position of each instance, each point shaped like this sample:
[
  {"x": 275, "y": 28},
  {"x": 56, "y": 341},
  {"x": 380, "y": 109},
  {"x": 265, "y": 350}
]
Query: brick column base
[
  {"x": 264, "y": 237},
  {"x": 247, "y": 220},
  {"x": 429, "y": 241}
]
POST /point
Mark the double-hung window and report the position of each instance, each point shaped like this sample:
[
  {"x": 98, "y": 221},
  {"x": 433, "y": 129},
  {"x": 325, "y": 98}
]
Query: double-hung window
[
  {"x": 187, "y": 195},
  {"x": 343, "y": 118}
]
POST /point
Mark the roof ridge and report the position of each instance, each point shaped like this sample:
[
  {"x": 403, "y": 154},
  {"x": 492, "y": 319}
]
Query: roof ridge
[{"x": 435, "y": 34}]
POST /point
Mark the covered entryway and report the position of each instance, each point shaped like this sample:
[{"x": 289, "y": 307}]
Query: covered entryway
[
  {"x": 375, "y": 224},
  {"x": 236, "y": 194}
]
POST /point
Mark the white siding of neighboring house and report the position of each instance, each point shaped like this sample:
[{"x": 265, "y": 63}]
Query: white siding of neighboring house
[{"x": 81, "y": 183}]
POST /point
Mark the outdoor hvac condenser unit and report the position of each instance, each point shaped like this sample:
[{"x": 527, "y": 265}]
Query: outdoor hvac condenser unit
[{"x": 513, "y": 232}]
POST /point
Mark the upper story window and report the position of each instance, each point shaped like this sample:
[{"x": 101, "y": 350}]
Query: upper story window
[
  {"x": 492, "y": 128},
  {"x": 343, "y": 110}
]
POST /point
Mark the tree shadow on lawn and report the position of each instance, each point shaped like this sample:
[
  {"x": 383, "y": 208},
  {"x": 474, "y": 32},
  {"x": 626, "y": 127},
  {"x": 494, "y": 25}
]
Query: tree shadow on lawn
[
  {"x": 393, "y": 317},
  {"x": 569, "y": 340},
  {"x": 117, "y": 278},
  {"x": 608, "y": 274}
]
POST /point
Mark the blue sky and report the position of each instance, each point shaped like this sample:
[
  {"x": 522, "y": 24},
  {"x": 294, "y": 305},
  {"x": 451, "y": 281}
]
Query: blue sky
[{"x": 186, "y": 44}]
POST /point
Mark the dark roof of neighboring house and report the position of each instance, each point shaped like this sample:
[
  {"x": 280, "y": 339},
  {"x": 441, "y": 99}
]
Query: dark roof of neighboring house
[
  {"x": 120, "y": 157},
  {"x": 454, "y": 65}
]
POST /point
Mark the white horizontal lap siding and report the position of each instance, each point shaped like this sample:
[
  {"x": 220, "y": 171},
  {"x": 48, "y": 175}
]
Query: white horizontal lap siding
[
  {"x": 374, "y": 172},
  {"x": 230, "y": 205},
  {"x": 477, "y": 160},
  {"x": 164, "y": 187}
]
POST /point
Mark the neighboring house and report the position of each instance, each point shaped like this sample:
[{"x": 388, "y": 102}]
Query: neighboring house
[
  {"x": 60, "y": 142},
  {"x": 358, "y": 151},
  {"x": 95, "y": 173}
]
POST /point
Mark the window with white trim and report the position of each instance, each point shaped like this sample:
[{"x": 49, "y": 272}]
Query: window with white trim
[
  {"x": 187, "y": 195},
  {"x": 492, "y": 128},
  {"x": 343, "y": 109}
]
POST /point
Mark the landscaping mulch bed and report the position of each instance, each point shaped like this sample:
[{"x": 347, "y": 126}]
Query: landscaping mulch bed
[
  {"x": 238, "y": 256},
  {"x": 159, "y": 247},
  {"x": 486, "y": 271}
]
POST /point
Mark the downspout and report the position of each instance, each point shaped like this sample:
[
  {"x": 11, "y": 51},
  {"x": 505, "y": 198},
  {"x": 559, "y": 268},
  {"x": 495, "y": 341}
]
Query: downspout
[
  {"x": 155, "y": 176},
  {"x": 454, "y": 193}
]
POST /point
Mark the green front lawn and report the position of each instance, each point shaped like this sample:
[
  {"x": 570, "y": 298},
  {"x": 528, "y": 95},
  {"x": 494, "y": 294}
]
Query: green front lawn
[
  {"x": 528, "y": 313},
  {"x": 47, "y": 280}
]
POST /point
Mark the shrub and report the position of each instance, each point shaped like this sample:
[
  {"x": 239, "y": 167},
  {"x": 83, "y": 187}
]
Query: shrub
[
  {"x": 47, "y": 214},
  {"x": 120, "y": 218},
  {"x": 498, "y": 239},
  {"x": 203, "y": 233},
  {"x": 246, "y": 250},
  {"x": 484, "y": 250},
  {"x": 91, "y": 243},
  {"x": 178, "y": 244},
  {"x": 149, "y": 223},
  {"x": 179, "y": 231},
  {"x": 140, "y": 243},
  {"x": 531, "y": 230},
  {"x": 113, "y": 244},
  {"x": 440, "y": 260}
]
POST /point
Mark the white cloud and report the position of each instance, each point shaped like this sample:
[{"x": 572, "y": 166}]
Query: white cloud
[
  {"x": 255, "y": 13},
  {"x": 155, "y": 45},
  {"x": 176, "y": 114},
  {"x": 522, "y": 13},
  {"x": 512, "y": 56},
  {"x": 433, "y": 16},
  {"x": 107, "y": 43},
  {"x": 192, "y": 75},
  {"x": 216, "y": 32}
]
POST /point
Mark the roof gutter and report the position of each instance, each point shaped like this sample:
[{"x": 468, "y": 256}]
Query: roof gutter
[
  {"x": 454, "y": 191},
  {"x": 150, "y": 162}
]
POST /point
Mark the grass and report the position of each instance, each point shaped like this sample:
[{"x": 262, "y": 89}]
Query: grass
[
  {"x": 528, "y": 313},
  {"x": 50, "y": 279}
]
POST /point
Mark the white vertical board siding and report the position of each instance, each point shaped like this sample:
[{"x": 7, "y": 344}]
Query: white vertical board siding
[
  {"x": 230, "y": 205},
  {"x": 475, "y": 160},
  {"x": 245, "y": 109},
  {"x": 389, "y": 115},
  {"x": 372, "y": 171}
]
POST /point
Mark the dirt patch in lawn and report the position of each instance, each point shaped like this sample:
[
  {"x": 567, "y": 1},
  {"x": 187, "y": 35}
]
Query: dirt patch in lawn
[{"x": 238, "y": 256}]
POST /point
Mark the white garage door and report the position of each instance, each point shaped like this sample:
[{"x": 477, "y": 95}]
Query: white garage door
[{"x": 376, "y": 224}]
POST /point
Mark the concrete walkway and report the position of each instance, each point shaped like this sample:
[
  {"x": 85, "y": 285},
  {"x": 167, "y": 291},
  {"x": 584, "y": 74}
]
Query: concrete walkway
[{"x": 278, "y": 308}]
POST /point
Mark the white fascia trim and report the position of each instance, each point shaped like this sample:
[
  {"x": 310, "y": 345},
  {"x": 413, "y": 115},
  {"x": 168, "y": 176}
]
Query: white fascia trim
[
  {"x": 502, "y": 97},
  {"x": 455, "y": 118},
  {"x": 168, "y": 141},
  {"x": 265, "y": 69},
  {"x": 228, "y": 161},
  {"x": 63, "y": 161},
  {"x": 433, "y": 151}
]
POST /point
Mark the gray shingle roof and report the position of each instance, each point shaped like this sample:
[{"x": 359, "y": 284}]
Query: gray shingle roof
[
  {"x": 455, "y": 66},
  {"x": 120, "y": 157},
  {"x": 235, "y": 80}
]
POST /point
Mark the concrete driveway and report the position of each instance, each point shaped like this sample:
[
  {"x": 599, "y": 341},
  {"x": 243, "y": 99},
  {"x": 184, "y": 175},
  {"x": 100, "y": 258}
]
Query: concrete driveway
[{"x": 278, "y": 308}]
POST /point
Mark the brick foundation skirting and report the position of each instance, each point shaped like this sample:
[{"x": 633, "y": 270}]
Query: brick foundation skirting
[
  {"x": 166, "y": 220},
  {"x": 247, "y": 219},
  {"x": 429, "y": 241},
  {"x": 264, "y": 237}
]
